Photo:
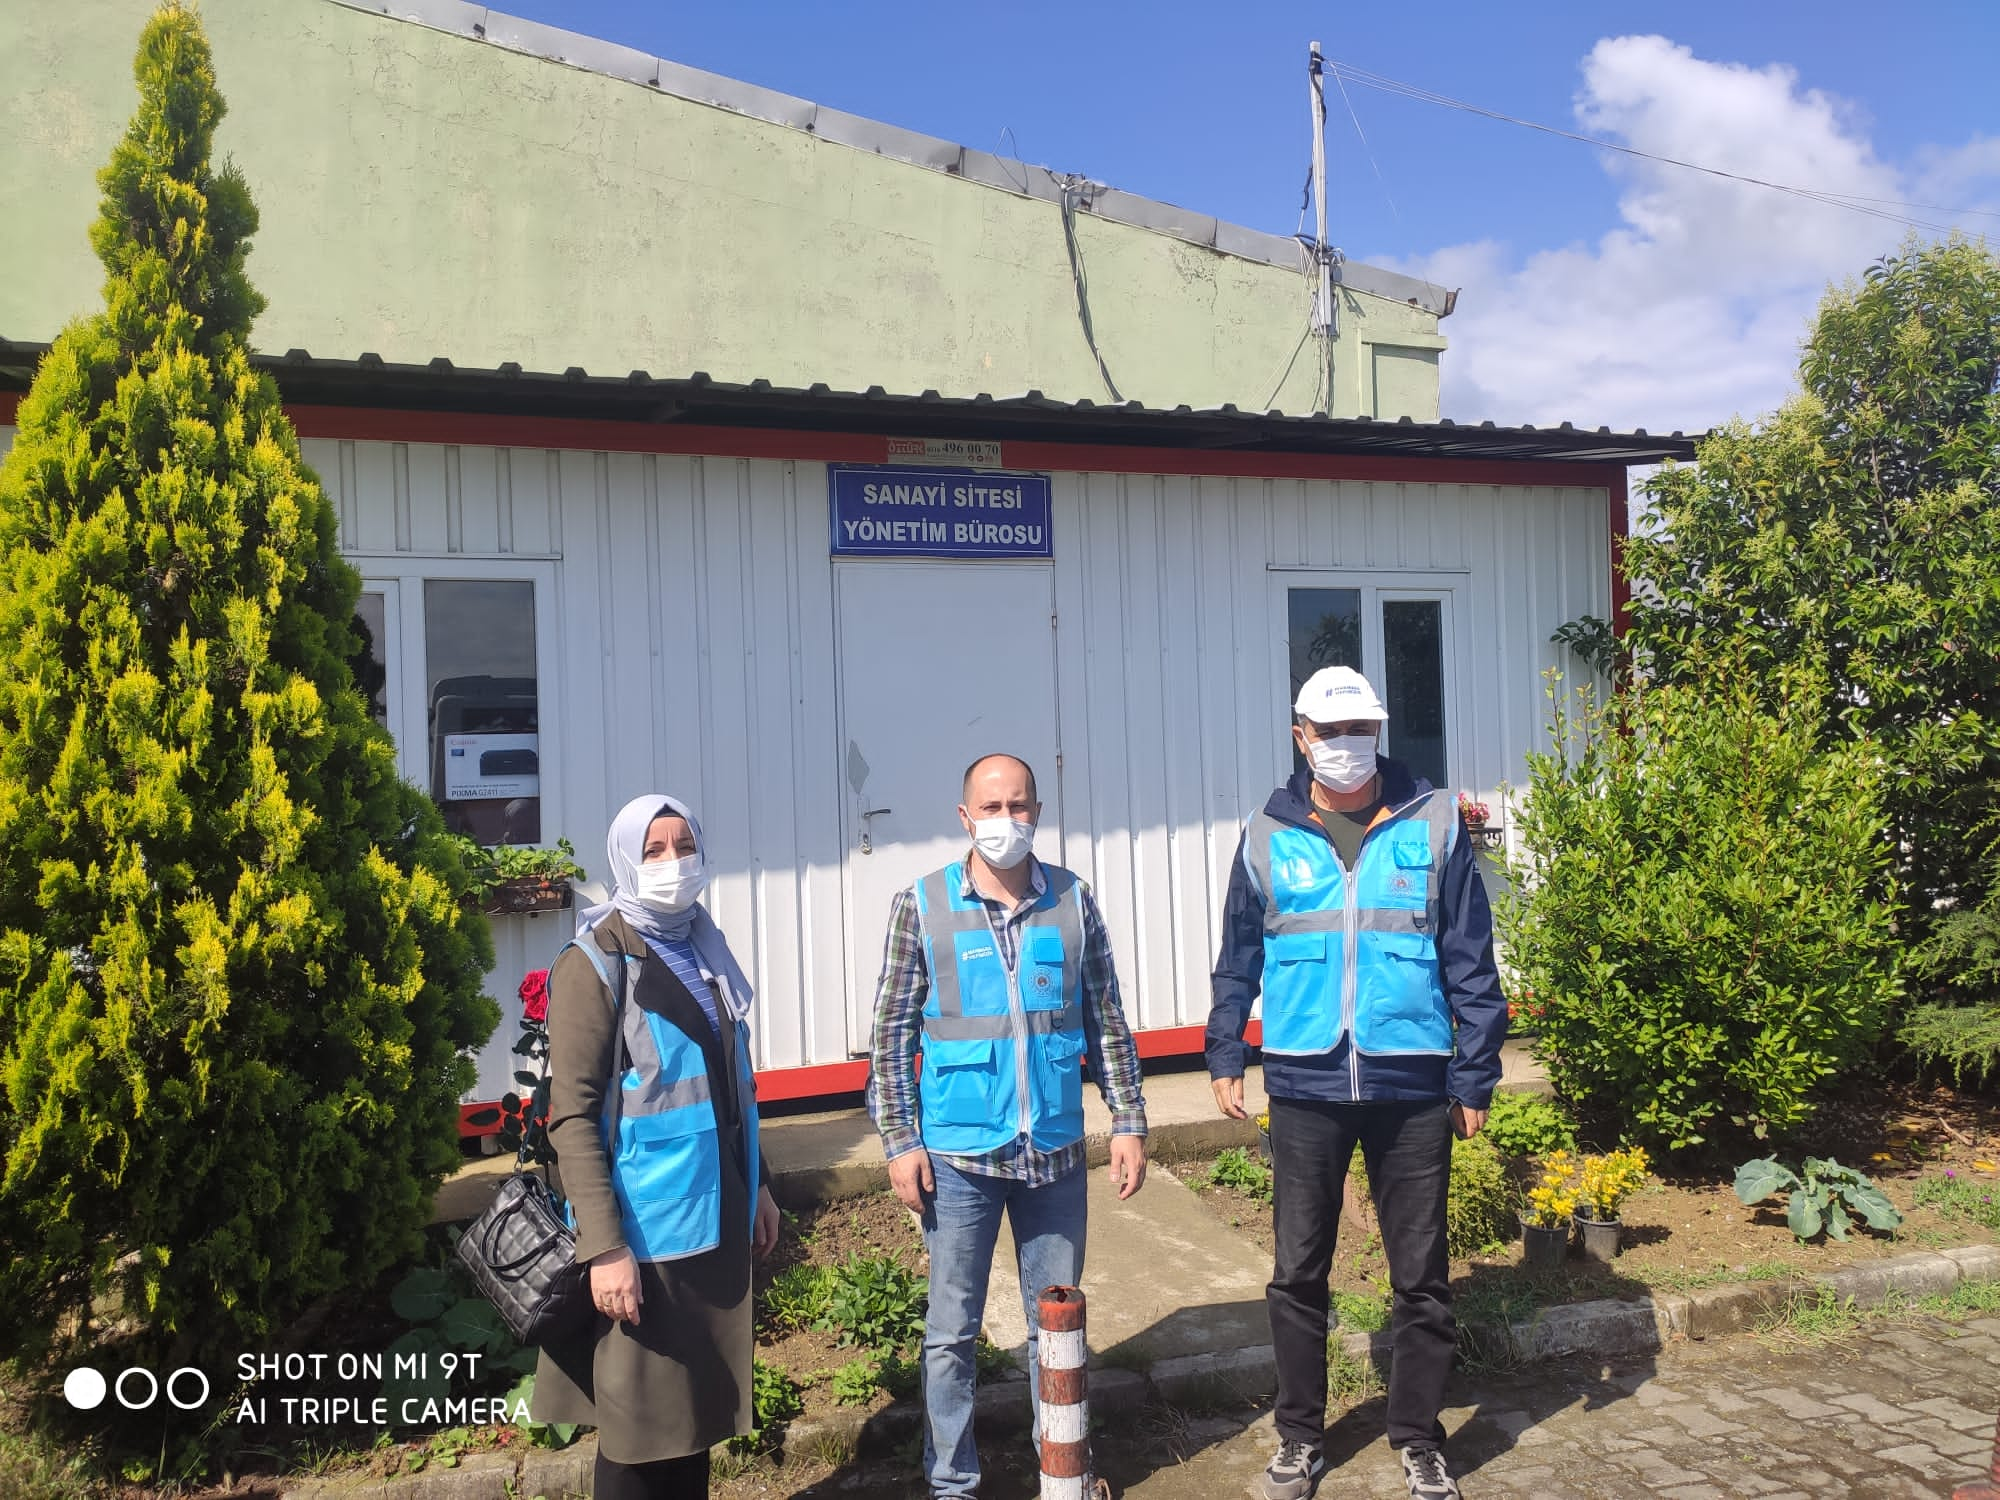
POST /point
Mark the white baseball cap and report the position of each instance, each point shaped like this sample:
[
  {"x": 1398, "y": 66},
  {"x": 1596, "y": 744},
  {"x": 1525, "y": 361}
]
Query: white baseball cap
[{"x": 1334, "y": 695}]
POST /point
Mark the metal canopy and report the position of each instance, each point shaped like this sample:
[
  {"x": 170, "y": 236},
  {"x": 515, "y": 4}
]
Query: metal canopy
[{"x": 698, "y": 400}]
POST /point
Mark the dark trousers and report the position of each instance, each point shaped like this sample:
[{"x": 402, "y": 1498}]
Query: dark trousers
[
  {"x": 1407, "y": 1150},
  {"x": 665, "y": 1479}
]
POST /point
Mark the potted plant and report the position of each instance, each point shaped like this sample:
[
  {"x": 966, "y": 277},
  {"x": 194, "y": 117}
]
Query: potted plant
[
  {"x": 1545, "y": 1221},
  {"x": 1264, "y": 1135},
  {"x": 514, "y": 880},
  {"x": 1604, "y": 1182},
  {"x": 1475, "y": 812}
]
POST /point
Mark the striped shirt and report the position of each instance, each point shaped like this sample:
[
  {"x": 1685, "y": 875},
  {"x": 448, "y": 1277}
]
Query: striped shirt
[
  {"x": 680, "y": 957},
  {"x": 899, "y": 1030}
]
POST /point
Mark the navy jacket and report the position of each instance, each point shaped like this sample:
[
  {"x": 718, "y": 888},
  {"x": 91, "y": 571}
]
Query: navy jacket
[{"x": 1465, "y": 966}]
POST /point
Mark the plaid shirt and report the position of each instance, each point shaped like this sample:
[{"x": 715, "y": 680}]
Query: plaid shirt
[{"x": 899, "y": 1029}]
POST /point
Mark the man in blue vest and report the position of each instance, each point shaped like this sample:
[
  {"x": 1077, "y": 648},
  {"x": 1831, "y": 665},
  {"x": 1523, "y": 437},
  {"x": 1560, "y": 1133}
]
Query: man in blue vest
[
  {"x": 998, "y": 970},
  {"x": 1356, "y": 908}
]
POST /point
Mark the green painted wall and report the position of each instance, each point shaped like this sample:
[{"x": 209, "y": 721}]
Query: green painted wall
[{"x": 425, "y": 194}]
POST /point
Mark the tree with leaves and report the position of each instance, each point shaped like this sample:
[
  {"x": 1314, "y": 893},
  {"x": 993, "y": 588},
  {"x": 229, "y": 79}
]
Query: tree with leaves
[
  {"x": 236, "y": 975},
  {"x": 1856, "y": 532}
]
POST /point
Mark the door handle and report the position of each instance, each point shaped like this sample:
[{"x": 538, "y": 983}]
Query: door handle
[{"x": 867, "y": 847}]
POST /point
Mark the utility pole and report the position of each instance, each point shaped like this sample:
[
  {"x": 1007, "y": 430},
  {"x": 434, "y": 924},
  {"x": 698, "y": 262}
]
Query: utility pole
[{"x": 1325, "y": 318}]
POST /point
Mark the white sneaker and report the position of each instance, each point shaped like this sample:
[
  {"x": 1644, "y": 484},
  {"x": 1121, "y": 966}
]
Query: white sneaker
[
  {"x": 1426, "y": 1475},
  {"x": 1294, "y": 1473}
]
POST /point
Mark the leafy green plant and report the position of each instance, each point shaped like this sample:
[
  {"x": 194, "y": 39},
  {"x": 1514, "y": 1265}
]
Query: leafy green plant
[
  {"x": 1855, "y": 531},
  {"x": 1959, "y": 1031},
  {"x": 492, "y": 863},
  {"x": 875, "y": 1303},
  {"x": 1699, "y": 907},
  {"x": 1524, "y": 1124},
  {"x": 798, "y": 1297},
  {"x": 450, "y": 1321},
  {"x": 1360, "y": 1312},
  {"x": 854, "y": 1383},
  {"x": 540, "y": 1434},
  {"x": 238, "y": 993},
  {"x": 774, "y": 1396},
  {"x": 1961, "y": 1197},
  {"x": 1828, "y": 1197},
  {"x": 989, "y": 1362},
  {"x": 1479, "y": 1211},
  {"x": 1237, "y": 1168}
]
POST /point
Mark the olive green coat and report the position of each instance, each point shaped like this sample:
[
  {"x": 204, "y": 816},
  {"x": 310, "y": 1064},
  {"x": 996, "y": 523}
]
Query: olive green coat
[{"x": 678, "y": 1382}]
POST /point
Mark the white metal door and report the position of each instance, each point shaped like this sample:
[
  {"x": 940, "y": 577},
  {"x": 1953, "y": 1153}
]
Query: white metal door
[{"x": 940, "y": 663}]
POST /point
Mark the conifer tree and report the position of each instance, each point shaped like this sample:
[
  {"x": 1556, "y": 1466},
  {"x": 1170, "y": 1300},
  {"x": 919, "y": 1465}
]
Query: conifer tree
[{"x": 236, "y": 977}]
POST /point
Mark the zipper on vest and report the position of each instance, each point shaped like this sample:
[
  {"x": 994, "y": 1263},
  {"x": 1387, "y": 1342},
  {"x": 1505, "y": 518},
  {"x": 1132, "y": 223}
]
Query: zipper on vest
[
  {"x": 1017, "y": 1016},
  {"x": 1350, "y": 979}
]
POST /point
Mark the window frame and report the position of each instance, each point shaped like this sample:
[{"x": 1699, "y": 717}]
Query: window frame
[
  {"x": 405, "y": 656},
  {"x": 1375, "y": 587}
]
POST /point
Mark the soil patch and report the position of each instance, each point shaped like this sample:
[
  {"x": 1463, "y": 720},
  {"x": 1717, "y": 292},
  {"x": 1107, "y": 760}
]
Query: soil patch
[{"x": 1687, "y": 1229}]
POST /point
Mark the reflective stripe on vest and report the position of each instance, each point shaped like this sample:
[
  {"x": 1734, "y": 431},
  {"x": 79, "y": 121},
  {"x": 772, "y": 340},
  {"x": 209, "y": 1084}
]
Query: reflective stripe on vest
[
  {"x": 666, "y": 1159},
  {"x": 1354, "y": 954},
  {"x": 1003, "y": 1055}
]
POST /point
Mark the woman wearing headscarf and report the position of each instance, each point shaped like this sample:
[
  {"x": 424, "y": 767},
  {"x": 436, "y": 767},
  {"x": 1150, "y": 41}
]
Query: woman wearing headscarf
[{"x": 653, "y": 1117}]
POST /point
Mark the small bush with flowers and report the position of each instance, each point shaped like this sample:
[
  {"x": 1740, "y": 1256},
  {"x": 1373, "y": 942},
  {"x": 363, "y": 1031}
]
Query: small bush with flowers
[
  {"x": 1603, "y": 1183},
  {"x": 1552, "y": 1200}
]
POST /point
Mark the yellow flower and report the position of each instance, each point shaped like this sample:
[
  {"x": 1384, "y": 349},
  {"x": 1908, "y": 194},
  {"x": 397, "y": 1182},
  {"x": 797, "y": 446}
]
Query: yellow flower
[
  {"x": 1984, "y": 1166},
  {"x": 1264, "y": 1121}
]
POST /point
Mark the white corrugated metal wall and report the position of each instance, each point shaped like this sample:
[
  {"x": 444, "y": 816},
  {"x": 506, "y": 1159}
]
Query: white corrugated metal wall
[{"x": 693, "y": 652}]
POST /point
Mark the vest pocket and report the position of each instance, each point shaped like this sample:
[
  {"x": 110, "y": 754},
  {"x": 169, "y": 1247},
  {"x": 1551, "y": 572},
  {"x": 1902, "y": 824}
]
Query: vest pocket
[
  {"x": 1059, "y": 1077},
  {"x": 1401, "y": 1006},
  {"x": 1041, "y": 969},
  {"x": 669, "y": 1178},
  {"x": 962, "y": 1082}
]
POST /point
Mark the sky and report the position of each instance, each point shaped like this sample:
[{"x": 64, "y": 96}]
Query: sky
[{"x": 1593, "y": 287}]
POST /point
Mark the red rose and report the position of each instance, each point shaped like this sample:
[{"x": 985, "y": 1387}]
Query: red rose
[{"x": 534, "y": 994}]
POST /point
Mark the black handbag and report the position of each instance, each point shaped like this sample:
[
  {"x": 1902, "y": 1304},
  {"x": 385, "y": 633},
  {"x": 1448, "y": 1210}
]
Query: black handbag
[
  {"x": 521, "y": 1251},
  {"x": 522, "y": 1256}
]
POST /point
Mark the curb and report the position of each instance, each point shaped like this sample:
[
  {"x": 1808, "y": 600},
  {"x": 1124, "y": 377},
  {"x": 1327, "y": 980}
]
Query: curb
[{"x": 1606, "y": 1329}]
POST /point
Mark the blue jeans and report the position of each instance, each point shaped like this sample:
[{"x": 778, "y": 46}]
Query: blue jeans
[{"x": 961, "y": 1225}]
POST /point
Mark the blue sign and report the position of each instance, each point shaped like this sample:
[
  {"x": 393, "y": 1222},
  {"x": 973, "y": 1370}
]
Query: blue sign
[{"x": 907, "y": 512}]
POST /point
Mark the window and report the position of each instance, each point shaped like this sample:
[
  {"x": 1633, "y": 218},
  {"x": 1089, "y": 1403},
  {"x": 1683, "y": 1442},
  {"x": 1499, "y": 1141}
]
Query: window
[
  {"x": 482, "y": 707},
  {"x": 1398, "y": 638}
]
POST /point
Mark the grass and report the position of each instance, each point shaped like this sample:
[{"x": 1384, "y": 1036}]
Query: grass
[
  {"x": 1359, "y": 1312},
  {"x": 1350, "y": 1381},
  {"x": 1680, "y": 1279},
  {"x": 1816, "y": 1317},
  {"x": 1974, "y": 1199}
]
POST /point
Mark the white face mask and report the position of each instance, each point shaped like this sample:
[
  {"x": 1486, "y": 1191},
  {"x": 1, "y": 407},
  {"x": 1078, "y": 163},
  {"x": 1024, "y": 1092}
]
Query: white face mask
[
  {"x": 1002, "y": 842},
  {"x": 1342, "y": 764},
  {"x": 669, "y": 885}
]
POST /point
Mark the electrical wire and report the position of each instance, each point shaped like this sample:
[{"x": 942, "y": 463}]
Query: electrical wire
[
  {"x": 1878, "y": 208},
  {"x": 1072, "y": 189},
  {"x": 1368, "y": 150}
]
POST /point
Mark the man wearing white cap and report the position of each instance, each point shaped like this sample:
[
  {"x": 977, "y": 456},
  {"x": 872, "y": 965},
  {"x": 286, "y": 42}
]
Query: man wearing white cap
[{"x": 1356, "y": 909}]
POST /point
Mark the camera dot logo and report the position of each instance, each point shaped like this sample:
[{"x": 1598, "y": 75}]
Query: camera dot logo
[
  {"x": 136, "y": 1388},
  {"x": 84, "y": 1388}
]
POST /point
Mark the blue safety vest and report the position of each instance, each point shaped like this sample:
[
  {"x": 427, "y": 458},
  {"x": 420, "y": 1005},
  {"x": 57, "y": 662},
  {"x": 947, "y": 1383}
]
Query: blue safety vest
[
  {"x": 1003, "y": 1053},
  {"x": 1354, "y": 955},
  {"x": 660, "y": 1128}
]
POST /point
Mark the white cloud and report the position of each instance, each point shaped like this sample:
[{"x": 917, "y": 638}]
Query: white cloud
[{"x": 1691, "y": 310}]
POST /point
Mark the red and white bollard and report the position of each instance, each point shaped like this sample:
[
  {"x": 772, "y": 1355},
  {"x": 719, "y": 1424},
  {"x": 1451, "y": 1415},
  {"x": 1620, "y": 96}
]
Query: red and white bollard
[
  {"x": 1978, "y": 1489},
  {"x": 1063, "y": 1396}
]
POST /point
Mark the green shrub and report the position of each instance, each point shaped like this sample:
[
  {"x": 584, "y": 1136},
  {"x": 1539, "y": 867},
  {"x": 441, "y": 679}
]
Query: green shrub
[
  {"x": 798, "y": 1297},
  {"x": 1959, "y": 1032},
  {"x": 1962, "y": 1197},
  {"x": 237, "y": 984},
  {"x": 1360, "y": 1312},
  {"x": 1825, "y": 1197},
  {"x": 774, "y": 1401},
  {"x": 875, "y": 1303},
  {"x": 1699, "y": 908},
  {"x": 1479, "y": 1213},
  {"x": 854, "y": 1383},
  {"x": 1237, "y": 1168},
  {"x": 1523, "y": 1124}
]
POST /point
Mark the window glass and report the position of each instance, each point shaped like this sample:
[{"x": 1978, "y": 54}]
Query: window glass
[
  {"x": 370, "y": 663},
  {"x": 1413, "y": 684},
  {"x": 1324, "y": 630},
  {"x": 482, "y": 707}
]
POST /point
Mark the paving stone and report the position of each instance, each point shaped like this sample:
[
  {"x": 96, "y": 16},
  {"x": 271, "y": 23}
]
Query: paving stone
[
  {"x": 1874, "y": 1408},
  {"x": 1701, "y": 1422},
  {"x": 1798, "y": 1405},
  {"x": 1925, "y": 1459},
  {"x": 1956, "y": 1413},
  {"x": 1948, "y": 1440}
]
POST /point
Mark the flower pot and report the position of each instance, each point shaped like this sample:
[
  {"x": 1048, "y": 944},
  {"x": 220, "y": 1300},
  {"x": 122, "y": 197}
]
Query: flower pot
[
  {"x": 525, "y": 895},
  {"x": 1543, "y": 1246},
  {"x": 1600, "y": 1238},
  {"x": 1264, "y": 1144}
]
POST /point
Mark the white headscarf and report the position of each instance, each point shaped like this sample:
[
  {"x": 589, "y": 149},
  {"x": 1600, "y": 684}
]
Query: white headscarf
[{"x": 624, "y": 851}]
